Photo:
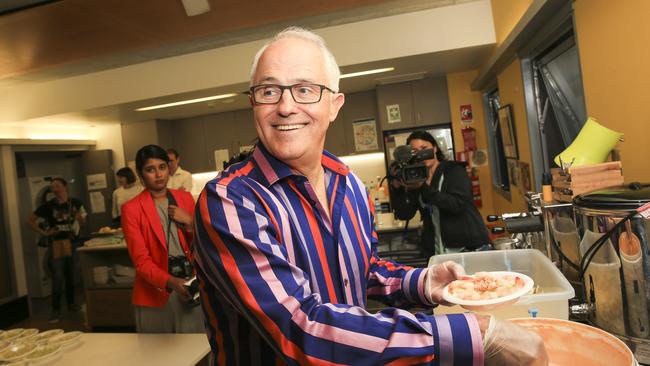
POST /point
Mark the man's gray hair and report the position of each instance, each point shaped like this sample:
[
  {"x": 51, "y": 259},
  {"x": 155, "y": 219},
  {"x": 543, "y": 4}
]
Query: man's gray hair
[{"x": 331, "y": 67}]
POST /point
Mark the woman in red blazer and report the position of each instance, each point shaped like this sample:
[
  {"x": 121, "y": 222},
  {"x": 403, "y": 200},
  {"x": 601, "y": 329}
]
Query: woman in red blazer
[{"x": 158, "y": 228}]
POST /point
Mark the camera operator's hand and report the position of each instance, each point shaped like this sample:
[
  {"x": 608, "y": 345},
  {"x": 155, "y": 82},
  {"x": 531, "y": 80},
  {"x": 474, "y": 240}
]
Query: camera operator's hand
[{"x": 178, "y": 285}]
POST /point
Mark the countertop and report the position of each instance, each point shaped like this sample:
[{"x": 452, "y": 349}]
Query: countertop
[{"x": 125, "y": 349}]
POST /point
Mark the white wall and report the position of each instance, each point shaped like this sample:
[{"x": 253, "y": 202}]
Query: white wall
[{"x": 110, "y": 137}]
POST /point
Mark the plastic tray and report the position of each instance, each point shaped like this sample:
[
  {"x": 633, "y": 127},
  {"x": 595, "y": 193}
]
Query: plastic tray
[{"x": 551, "y": 294}]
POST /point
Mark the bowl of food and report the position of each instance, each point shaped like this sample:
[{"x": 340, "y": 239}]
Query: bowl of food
[
  {"x": 27, "y": 333},
  {"x": 65, "y": 339},
  {"x": 16, "y": 351},
  {"x": 488, "y": 290},
  {"x": 10, "y": 334},
  {"x": 43, "y": 352},
  {"x": 42, "y": 337}
]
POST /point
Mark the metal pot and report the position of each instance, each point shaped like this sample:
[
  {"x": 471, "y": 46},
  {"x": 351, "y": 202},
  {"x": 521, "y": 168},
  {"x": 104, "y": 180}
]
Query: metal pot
[
  {"x": 613, "y": 250},
  {"x": 506, "y": 243}
]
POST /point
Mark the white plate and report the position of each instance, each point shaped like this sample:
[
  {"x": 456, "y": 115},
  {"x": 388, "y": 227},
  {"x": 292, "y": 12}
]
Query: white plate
[
  {"x": 27, "y": 333},
  {"x": 483, "y": 305}
]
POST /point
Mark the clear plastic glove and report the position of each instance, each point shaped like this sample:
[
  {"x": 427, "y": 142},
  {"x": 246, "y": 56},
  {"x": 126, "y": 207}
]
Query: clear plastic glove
[
  {"x": 440, "y": 276},
  {"x": 506, "y": 344}
]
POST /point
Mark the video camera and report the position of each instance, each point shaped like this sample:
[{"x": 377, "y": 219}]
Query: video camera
[{"x": 408, "y": 165}]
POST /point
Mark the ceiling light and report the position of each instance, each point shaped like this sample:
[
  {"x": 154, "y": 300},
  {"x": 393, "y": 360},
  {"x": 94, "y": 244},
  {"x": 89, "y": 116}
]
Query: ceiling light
[
  {"x": 367, "y": 72},
  {"x": 195, "y": 7},
  {"x": 190, "y": 101}
]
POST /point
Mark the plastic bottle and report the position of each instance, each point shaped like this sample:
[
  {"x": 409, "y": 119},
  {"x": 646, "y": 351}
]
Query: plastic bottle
[{"x": 377, "y": 211}]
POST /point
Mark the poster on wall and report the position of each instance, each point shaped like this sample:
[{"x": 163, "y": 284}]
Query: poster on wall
[
  {"x": 96, "y": 181},
  {"x": 365, "y": 135},
  {"x": 524, "y": 175},
  {"x": 466, "y": 116},
  {"x": 513, "y": 172},
  {"x": 394, "y": 114}
]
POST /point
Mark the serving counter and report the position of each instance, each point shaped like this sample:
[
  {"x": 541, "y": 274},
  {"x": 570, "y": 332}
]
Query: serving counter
[{"x": 110, "y": 349}]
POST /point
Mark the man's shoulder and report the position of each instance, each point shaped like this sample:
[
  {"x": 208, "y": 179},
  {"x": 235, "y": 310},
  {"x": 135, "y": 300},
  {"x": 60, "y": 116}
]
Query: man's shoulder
[{"x": 182, "y": 172}]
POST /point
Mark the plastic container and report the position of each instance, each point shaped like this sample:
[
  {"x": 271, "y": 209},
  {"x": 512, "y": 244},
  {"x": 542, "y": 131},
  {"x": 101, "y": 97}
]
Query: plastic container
[{"x": 551, "y": 293}]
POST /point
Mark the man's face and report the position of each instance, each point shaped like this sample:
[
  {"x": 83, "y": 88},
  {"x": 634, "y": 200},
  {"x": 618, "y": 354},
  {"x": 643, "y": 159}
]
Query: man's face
[
  {"x": 173, "y": 163},
  {"x": 293, "y": 132},
  {"x": 58, "y": 188}
]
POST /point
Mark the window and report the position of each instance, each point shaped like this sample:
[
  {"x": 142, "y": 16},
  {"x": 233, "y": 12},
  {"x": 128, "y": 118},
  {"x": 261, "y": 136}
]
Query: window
[
  {"x": 498, "y": 161},
  {"x": 554, "y": 93}
]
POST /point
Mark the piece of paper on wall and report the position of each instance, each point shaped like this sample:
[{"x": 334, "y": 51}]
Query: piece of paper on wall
[
  {"x": 365, "y": 135},
  {"x": 97, "y": 204},
  {"x": 393, "y": 113},
  {"x": 96, "y": 181},
  {"x": 220, "y": 156}
]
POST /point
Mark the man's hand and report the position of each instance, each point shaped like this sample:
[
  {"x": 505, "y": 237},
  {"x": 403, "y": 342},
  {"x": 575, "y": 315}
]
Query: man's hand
[
  {"x": 179, "y": 215},
  {"x": 51, "y": 231},
  {"x": 178, "y": 285},
  {"x": 440, "y": 276},
  {"x": 507, "y": 344}
]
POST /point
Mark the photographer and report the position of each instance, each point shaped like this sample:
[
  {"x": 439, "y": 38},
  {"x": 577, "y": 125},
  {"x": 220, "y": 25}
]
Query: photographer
[
  {"x": 158, "y": 228},
  {"x": 444, "y": 200}
]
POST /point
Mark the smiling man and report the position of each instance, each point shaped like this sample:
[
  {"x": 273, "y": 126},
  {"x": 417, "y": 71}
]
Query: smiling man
[{"x": 286, "y": 247}]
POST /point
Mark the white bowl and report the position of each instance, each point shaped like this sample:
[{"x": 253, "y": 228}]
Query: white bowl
[
  {"x": 44, "y": 336},
  {"x": 491, "y": 304},
  {"x": 65, "y": 339},
  {"x": 43, "y": 352},
  {"x": 17, "y": 351}
]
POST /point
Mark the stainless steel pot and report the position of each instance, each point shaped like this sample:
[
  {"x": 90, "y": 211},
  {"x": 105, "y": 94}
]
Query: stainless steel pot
[
  {"x": 612, "y": 245},
  {"x": 506, "y": 243}
]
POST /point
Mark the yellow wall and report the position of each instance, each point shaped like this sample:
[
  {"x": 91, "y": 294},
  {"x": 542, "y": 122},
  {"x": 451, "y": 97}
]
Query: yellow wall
[
  {"x": 460, "y": 93},
  {"x": 511, "y": 91},
  {"x": 613, "y": 39},
  {"x": 506, "y": 14}
]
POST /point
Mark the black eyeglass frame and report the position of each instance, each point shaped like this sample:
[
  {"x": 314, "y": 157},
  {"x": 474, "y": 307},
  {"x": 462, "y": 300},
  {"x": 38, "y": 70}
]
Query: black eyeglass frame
[{"x": 251, "y": 92}]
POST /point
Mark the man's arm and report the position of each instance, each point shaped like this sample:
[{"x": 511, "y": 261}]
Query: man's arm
[{"x": 241, "y": 251}]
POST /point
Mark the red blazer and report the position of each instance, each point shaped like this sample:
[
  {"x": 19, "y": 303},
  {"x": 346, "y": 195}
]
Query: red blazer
[{"x": 147, "y": 245}]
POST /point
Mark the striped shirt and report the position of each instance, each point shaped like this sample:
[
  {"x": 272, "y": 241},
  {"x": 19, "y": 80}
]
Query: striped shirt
[{"x": 283, "y": 282}]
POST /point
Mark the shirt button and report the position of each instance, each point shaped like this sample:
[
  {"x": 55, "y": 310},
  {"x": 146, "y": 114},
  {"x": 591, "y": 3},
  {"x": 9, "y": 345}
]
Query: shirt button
[{"x": 346, "y": 282}]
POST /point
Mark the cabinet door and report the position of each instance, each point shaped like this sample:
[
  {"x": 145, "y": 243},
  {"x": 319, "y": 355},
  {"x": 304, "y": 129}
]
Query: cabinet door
[
  {"x": 395, "y": 94},
  {"x": 431, "y": 101},
  {"x": 246, "y": 134},
  {"x": 219, "y": 134},
  {"x": 360, "y": 106},
  {"x": 335, "y": 140},
  {"x": 189, "y": 139}
]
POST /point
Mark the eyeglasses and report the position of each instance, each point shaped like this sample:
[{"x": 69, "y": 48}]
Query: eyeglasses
[{"x": 301, "y": 93}]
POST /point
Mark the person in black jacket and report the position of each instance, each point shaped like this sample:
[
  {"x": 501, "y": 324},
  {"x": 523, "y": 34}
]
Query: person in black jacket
[{"x": 445, "y": 202}]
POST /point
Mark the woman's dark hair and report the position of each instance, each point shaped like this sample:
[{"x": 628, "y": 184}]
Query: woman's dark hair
[
  {"x": 149, "y": 152},
  {"x": 60, "y": 180},
  {"x": 424, "y": 135},
  {"x": 127, "y": 173}
]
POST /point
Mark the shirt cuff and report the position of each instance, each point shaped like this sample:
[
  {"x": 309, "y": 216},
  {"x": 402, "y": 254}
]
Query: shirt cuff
[
  {"x": 458, "y": 340},
  {"x": 414, "y": 286}
]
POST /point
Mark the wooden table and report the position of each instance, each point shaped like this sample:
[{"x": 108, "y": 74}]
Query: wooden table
[{"x": 126, "y": 349}]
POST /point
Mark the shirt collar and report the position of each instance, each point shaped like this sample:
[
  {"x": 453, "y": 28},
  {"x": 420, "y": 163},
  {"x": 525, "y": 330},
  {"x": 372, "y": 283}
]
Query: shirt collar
[{"x": 275, "y": 170}]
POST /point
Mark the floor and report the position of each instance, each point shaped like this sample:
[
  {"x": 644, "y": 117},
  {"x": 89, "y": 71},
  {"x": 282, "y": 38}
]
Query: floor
[{"x": 41, "y": 311}]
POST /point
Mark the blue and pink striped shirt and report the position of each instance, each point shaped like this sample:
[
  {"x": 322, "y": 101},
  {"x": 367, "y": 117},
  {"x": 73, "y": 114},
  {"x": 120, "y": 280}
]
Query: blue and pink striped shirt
[{"x": 283, "y": 282}]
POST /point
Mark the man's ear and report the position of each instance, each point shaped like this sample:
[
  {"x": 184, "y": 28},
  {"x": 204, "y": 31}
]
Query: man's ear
[
  {"x": 336, "y": 102},
  {"x": 250, "y": 99}
]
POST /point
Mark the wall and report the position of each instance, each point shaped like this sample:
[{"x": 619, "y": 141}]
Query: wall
[
  {"x": 109, "y": 137},
  {"x": 136, "y": 135},
  {"x": 506, "y": 13},
  {"x": 613, "y": 39},
  {"x": 511, "y": 91},
  {"x": 460, "y": 93}
]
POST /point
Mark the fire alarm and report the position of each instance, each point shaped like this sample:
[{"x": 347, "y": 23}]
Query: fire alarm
[{"x": 195, "y": 7}]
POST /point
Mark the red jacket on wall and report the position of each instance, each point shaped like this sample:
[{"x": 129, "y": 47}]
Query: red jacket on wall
[{"x": 147, "y": 245}]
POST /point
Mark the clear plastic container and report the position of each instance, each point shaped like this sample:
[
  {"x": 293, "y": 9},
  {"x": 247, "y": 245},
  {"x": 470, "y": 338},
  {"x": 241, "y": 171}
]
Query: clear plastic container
[{"x": 551, "y": 293}]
